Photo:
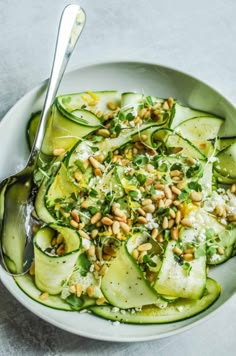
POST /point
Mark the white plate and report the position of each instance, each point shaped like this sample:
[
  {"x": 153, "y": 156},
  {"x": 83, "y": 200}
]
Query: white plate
[{"x": 124, "y": 76}]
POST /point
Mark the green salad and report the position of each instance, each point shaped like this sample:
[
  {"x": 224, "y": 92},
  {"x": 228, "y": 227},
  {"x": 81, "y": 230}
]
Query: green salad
[{"x": 135, "y": 202}]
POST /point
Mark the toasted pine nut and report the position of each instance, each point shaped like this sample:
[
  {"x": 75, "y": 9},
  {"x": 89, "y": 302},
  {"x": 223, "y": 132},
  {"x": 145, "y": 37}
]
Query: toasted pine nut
[
  {"x": 196, "y": 196},
  {"x": 233, "y": 188},
  {"x": 170, "y": 102},
  {"x": 84, "y": 234},
  {"x": 177, "y": 251},
  {"x": 141, "y": 212},
  {"x": 160, "y": 187},
  {"x": 100, "y": 301},
  {"x": 150, "y": 208},
  {"x": 103, "y": 132},
  {"x": 90, "y": 291},
  {"x": 44, "y": 296},
  {"x": 171, "y": 223},
  {"x": 174, "y": 233},
  {"x": 91, "y": 251},
  {"x": 168, "y": 203},
  {"x": 74, "y": 224},
  {"x": 145, "y": 247},
  {"x": 178, "y": 217},
  {"x": 172, "y": 213},
  {"x": 219, "y": 210},
  {"x": 135, "y": 254},
  {"x": 96, "y": 266},
  {"x": 175, "y": 190},
  {"x": 75, "y": 215},
  {"x": 189, "y": 250},
  {"x": 103, "y": 270},
  {"x": 221, "y": 250},
  {"x": 154, "y": 233},
  {"x": 32, "y": 269},
  {"x": 168, "y": 192},
  {"x": 72, "y": 289},
  {"x": 116, "y": 227},
  {"x": 78, "y": 176},
  {"x": 58, "y": 151},
  {"x": 191, "y": 160},
  {"x": 142, "y": 220},
  {"x": 97, "y": 172},
  {"x": 146, "y": 202},
  {"x": 60, "y": 239},
  {"x": 160, "y": 238},
  {"x": 150, "y": 167},
  {"x": 176, "y": 202},
  {"x": 111, "y": 105},
  {"x": 107, "y": 221},
  {"x": 96, "y": 217},
  {"x": 79, "y": 289},
  {"x": 100, "y": 158},
  {"x": 95, "y": 163},
  {"x": 161, "y": 204},
  {"x": 188, "y": 257},
  {"x": 94, "y": 233},
  {"x": 175, "y": 173},
  {"x": 119, "y": 212},
  {"x": 165, "y": 223},
  {"x": 186, "y": 222},
  {"x": 181, "y": 185},
  {"x": 140, "y": 258},
  {"x": 60, "y": 250},
  {"x": 124, "y": 227},
  {"x": 85, "y": 204}
]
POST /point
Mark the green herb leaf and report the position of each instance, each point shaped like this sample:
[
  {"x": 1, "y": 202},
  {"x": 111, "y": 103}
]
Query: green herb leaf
[
  {"x": 83, "y": 264},
  {"x": 93, "y": 193},
  {"x": 187, "y": 267},
  {"x": 200, "y": 252},
  {"x": 75, "y": 302},
  {"x": 141, "y": 178},
  {"x": 80, "y": 165},
  {"x": 210, "y": 234},
  {"x": 148, "y": 260}
]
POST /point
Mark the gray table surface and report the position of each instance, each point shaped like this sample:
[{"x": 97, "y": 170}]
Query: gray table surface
[{"x": 197, "y": 37}]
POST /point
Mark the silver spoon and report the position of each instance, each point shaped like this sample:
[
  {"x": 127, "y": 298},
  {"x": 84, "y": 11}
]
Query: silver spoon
[{"x": 17, "y": 191}]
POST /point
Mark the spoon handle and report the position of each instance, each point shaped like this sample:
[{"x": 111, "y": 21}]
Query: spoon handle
[{"x": 71, "y": 25}]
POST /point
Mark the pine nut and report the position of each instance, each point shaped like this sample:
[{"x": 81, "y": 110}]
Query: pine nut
[
  {"x": 154, "y": 233},
  {"x": 75, "y": 215},
  {"x": 44, "y": 296},
  {"x": 181, "y": 185},
  {"x": 165, "y": 223},
  {"x": 90, "y": 291},
  {"x": 221, "y": 250},
  {"x": 100, "y": 158},
  {"x": 85, "y": 204},
  {"x": 160, "y": 238},
  {"x": 84, "y": 234},
  {"x": 168, "y": 203},
  {"x": 135, "y": 254},
  {"x": 100, "y": 301},
  {"x": 79, "y": 289},
  {"x": 149, "y": 208},
  {"x": 171, "y": 223},
  {"x": 186, "y": 222},
  {"x": 111, "y": 106},
  {"x": 78, "y": 176},
  {"x": 176, "y": 202},
  {"x": 145, "y": 247},
  {"x": 233, "y": 188},
  {"x": 189, "y": 250},
  {"x": 191, "y": 161},
  {"x": 95, "y": 163},
  {"x": 150, "y": 167},
  {"x": 177, "y": 251},
  {"x": 172, "y": 213},
  {"x": 196, "y": 196},
  {"x": 91, "y": 251},
  {"x": 160, "y": 187},
  {"x": 97, "y": 172},
  {"x": 103, "y": 132},
  {"x": 96, "y": 266},
  {"x": 168, "y": 192},
  {"x": 116, "y": 227},
  {"x": 175, "y": 173},
  {"x": 146, "y": 202},
  {"x": 188, "y": 257},
  {"x": 174, "y": 233},
  {"x": 178, "y": 217},
  {"x": 161, "y": 204},
  {"x": 140, "y": 258},
  {"x": 107, "y": 221},
  {"x": 58, "y": 151},
  {"x": 219, "y": 210},
  {"x": 94, "y": 233},
  {"x": 142, "y": 220},
  {"x": 175, "y": 190},
  {"x": 32, "y": 269},
  {"x": 119, "y": 212},
  {"x": 124, "y": 227},
  {"x": 170, "y": 102},
  {"x": 141, "y": 212},
  {"x": 72, "y": 289},
  {"x": 103, "y": 270},
  {"x": 96, "y": 217},
  {"x": 74, "y": 224}
]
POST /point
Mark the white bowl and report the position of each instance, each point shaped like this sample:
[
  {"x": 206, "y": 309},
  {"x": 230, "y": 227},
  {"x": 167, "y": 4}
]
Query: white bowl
[{"x": 151, "y": 79}]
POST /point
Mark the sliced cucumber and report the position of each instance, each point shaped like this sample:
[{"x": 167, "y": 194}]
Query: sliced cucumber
[
  {"x": 226, "y": 164},
  {"x": 175, "y": 281},
  {"x": 124, "y": 285},
  {"x": 51, "y": 270},
  {"x": 224, "y": 142},
  {"x": 179, "y": 310},
  {"x": 130, "y": 99},
  {"x": 32, "y": 128},
  {"x": 225, "y": 241},
  {"x": 183, "y": 113},
  {"x": 94, "y": 101}
]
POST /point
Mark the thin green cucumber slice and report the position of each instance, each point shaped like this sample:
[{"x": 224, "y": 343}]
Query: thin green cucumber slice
[
  {"x": 52, "y": 270},
  {"x": 27, "y": 285},
  {"x": 224, "y": 142},
  {"x": 225, "y": 242},
  {"x": 183, "y": 113},
  {"x": 95, "y": 101},
  {"x": 32, "y": 127},
  {"x": 176, "y": 281},
  {"x": 179, "y": 310},
  {"x": 226, "y": 163},
  {"x": 124, "y": 285}
]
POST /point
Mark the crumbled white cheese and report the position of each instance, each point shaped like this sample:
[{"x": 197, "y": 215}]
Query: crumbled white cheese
[
  {"x": 84, "y": 151},
  {"x": 86, "y": 244},
  {"x": 151, "y": 222}
]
